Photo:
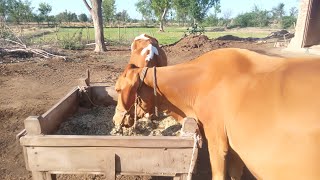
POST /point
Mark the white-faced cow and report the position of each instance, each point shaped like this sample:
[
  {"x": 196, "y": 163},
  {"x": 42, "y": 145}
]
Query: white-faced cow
[{"x": 145, "y": 52}]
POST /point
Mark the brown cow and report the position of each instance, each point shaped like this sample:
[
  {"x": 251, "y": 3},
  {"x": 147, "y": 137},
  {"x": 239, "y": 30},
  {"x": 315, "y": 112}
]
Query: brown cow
[
  {"x": 262, "y": 111},
  {"x": 145, "y": 52}
]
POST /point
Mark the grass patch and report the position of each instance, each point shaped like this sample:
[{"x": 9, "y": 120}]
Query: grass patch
[{"x": 126, "y": 35}]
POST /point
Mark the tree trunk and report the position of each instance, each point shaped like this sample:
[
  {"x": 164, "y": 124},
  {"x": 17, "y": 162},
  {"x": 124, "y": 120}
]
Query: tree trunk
[
  {"x": 162, "y": 19},
  {"x": 96, "y": 14}
]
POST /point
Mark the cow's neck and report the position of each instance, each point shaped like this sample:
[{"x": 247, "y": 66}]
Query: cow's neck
[{"x": 174, "y": 90}]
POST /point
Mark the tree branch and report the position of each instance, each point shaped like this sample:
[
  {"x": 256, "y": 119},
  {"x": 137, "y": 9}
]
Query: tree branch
[{"x": 87, "y": 5}]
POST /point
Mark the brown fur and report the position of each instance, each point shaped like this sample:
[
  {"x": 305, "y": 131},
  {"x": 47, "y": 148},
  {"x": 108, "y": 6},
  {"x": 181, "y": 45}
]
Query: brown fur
[{"x": 262, "y": 111}]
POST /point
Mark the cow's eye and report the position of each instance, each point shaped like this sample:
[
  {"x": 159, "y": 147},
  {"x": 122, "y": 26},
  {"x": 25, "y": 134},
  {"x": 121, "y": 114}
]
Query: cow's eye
[{"x": 118, "y": 90}]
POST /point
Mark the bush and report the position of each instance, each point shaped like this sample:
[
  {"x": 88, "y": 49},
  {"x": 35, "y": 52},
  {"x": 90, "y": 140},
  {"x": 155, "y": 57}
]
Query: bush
[
  {"x": 288, "y": 21},
  {"x": 74, "y": 42},
  {"x": 252, "y": 19}
]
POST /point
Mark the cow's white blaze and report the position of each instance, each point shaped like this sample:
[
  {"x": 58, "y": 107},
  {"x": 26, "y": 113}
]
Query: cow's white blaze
[
  {"x": 142, "y": 36},
  {"x": 152, "y": 51}
]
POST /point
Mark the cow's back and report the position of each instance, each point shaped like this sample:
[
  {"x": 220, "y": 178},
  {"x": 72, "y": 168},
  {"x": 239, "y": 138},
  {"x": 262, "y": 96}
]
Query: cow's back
[{"x": 276, "y": 126}]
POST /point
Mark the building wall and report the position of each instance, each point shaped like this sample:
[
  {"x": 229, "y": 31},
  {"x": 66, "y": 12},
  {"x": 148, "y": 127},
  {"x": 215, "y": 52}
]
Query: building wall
[
  {"x": 312, "y": 36},
  {"x": 296, "y": 42},
  {"x": 307, "y": 32}
]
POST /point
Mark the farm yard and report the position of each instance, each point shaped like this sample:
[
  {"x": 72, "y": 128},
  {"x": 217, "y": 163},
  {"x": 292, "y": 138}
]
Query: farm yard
[
  {"x": 59, "y": 64},
  {"x": 31, "y": 85}
]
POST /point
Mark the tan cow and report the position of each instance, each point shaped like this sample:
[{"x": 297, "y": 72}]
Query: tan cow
[
  {"x": 145, "y": 52},
  {"x": 265, "y": 110}
]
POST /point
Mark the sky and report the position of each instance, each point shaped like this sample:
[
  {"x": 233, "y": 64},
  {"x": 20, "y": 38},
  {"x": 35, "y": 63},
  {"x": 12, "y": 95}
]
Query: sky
[{"x": 235, "y": 6}]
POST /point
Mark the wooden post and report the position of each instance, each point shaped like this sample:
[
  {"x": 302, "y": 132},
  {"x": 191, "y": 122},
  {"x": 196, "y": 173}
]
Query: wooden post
[
  {"x": 32, "y": 125},
  {"x": 110, "y": 167},
  {"x": 189, "y": 126},
  {"x": 180, "y": 177}
]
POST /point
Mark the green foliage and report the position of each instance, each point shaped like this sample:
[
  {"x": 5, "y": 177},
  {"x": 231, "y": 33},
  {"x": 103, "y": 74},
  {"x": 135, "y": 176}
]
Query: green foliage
[
  {"x": 44, "y": 9},
  {"x": 66, "y": 16},
  {"x": 245, "y": 20},
  {"x": 256, "y": 18},
  {"x": 278, "y": 12},
  {"x": 180, "y": 8},
  {"x": 3, "y": 7},
  {"x": 122, "y": 16},
  {"x": 293, "y": 12},
  {"x": 108, "y": 10},
  {"x": 288, "y": 21},
  {"x": 144, "y": 7},
  {"x": 73, "y": 42},
  {"x": 196, "y": 30},
  {"x": 199, "y": 8},
  {"x": 158, "y": 6},
  {"x": 211, "y": 20},
  {"x": 83, "y": 17},
  {"x": 195, "y": 9},
  {"x": 19, "y": 11}
]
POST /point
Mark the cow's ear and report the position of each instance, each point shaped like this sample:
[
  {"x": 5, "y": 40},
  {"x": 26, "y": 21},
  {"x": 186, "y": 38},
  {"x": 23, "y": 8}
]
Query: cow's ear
[
  {"x": 128, "y": 95},
  {"x": 154, "y": 41},
  {"x": 133, "y": 46}
]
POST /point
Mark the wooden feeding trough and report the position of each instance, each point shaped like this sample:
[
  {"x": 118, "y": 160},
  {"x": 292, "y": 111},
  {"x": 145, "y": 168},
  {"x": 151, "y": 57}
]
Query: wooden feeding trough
[{"x": 47, "y": 154}]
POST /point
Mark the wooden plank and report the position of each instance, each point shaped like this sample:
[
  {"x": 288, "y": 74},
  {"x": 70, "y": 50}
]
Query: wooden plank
[
  {"x": 110, "y": 169},
  {"x": 25, "y": 157},
  {"x": 119, "y": 173},
  {"x": 92, "y": 159},
  {"x": 107, "y": 141},
  {"x": 68, "y": 105},
  {"x": 32, "y": 125}
]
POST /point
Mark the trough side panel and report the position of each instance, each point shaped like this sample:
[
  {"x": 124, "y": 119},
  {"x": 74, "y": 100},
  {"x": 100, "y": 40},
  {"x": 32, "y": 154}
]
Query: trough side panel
[
  {"x": 94, "y": 159},
  {"x": 107, "y": 141},
  {"x": 51, "y": 120},
  {"x": 102, "y": 95}
]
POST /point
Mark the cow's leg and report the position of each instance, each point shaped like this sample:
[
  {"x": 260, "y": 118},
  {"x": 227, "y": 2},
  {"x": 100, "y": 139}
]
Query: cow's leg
[
  {"x": 218, "y": 149},
  {"x": 234, "y": 165}
]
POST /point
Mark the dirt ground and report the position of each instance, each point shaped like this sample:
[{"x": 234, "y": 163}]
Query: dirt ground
[{"x": 32, "y": 85}]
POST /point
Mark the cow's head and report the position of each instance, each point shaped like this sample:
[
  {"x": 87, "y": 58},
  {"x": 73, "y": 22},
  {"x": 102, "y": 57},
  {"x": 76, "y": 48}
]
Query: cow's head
[
  {"x": 144, "y": 52},
  {"x": 131, "y": 88}
]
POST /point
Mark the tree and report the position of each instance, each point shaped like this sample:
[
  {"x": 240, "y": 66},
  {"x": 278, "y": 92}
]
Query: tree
[
  {"x": 45, "y": 9},
  {"x": 226, "y": 16},
  {"x": 288, "y": 21},
  {"x": 122, "y": 16},
  {"x": 255, "y": 18},
  {"x": 159, "y": 8},
  {"x": 144, "y": 7},
  {"x": 180, "y": 8},
  {"x": 3, "y": 7},
  {"x": 199, "y": 8},
  {"x": 66, "y": 16},
  {"x": 109, "y": 10},
  {"x": 18, "y": 11},
  {"x": 96, "y": 13},
  {"x": 83, "y": 17},
  {"x": 278, "y": 12},
  {"x": 293, "y": 11}
]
